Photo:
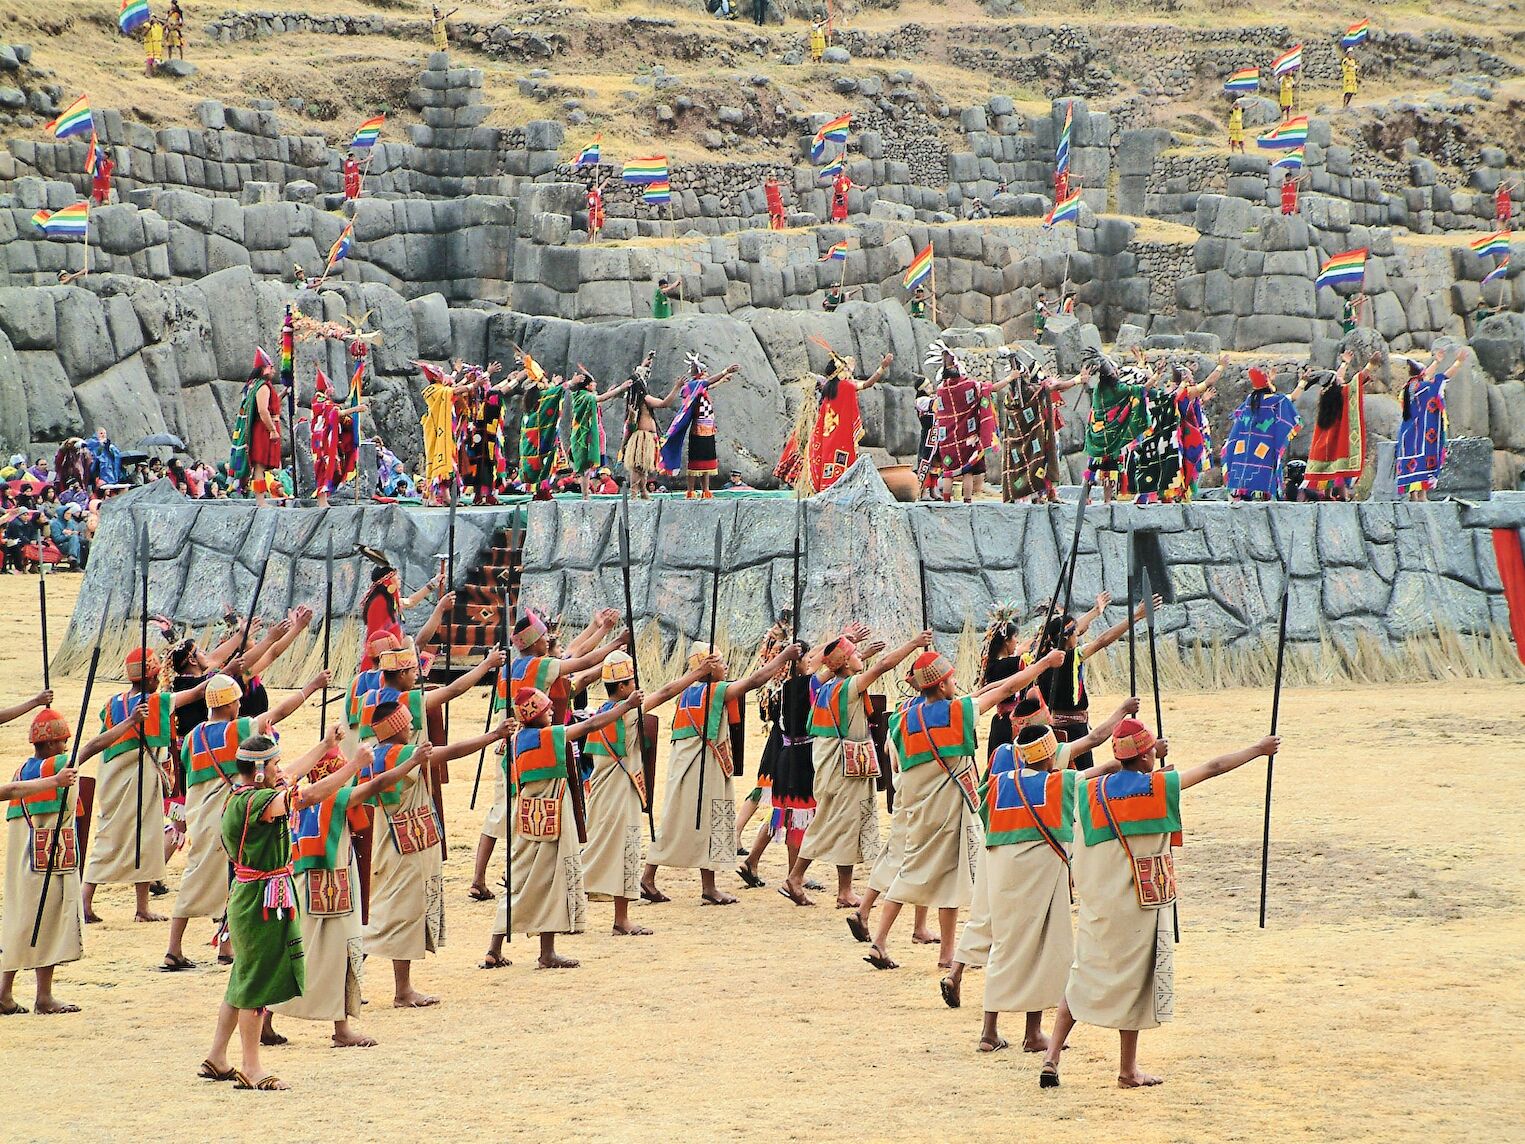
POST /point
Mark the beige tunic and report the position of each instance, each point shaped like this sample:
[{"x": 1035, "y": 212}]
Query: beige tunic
[
  {"x": 611, "y": 861},
  {"x": 1031, "y": 945},
  {"x": 942, "y": 838},
  {"x": 204, "y": 885},
  {"x": 893, "y": 853},
  {"x": 1124, "y": 971},
  {"x": 495, "y": 825},
  {"x": 845, "y": 829},
  {"x": 713, "y": 845},
  {"x": 61, "y": 938},
  {"x": 112, "y": 838},
  {"x": 547, "y": 884},
  {"x": 973, "y": 947},
  {"x": 407, "y": 890},
  {"x": 334, "y": 952}
]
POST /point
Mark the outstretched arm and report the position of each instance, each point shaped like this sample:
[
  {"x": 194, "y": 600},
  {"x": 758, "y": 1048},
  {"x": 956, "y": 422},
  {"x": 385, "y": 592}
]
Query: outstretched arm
[
  {"x": 190, "y": 696},
  {"x": 988, "y": 697},
  {"x": 373, "y": 786},
  {"x": 299, "y": 620},
  {"x": 444, "y": 752},
  {"x": 442, "y": 608},
  {"x": 1100, "y": 733},
  {"x": 116, "y": 734},
  {"x": 298, "y": 768},
  {"x": 593, "y": 658},
  {"x": 411, "y": 602},
  {"x": 885, "y": 663},
  {"x": 41, "y": 699},
  {"x": 877, "y": 376},
  {"x": 588, "y": 726},
  {"x": 655, "y": 699},
  {"x": 1232, "y": 761},
  {"x": 437, "y": 698},
  {"x": 764, "y": 673},
  {"x": 293, "y": 702},
  {"x": 1115, "y": 632},
  {"x": 328, "y": 785},
  {"x": 25, "y": 787},
  {"x": 1083, "y": 624}
]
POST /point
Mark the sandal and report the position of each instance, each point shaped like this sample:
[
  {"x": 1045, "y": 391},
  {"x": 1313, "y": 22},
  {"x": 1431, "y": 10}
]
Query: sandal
[
  {"x": 12, "y": 1009},
  {"x": 797, "y": 899},
  {"x": 209, "y": 1071},
  {"x": 175, "y": 962},
  {"x": 224, "y": 959},
  {"x": 989, "y": 1045},
  {"x": 271, "y": 1083},
  {"x": 480, "y": 894},
  {"x": 880, "y": 960},
  {"x": 951, "y": 997},
  {"x": 495, "y": 961},
  {"x": 1049, "y": 1077},
  {"x": 857, "y": 926},
  {"x": 57, "y": 1009},
  {"x": 749, "y": 879},
  {"x": 652, "y": 894},
  {"x": 716, "y": 900}
]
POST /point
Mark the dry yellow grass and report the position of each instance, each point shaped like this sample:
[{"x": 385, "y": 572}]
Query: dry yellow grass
[{"x": 1381, "y": 1004}]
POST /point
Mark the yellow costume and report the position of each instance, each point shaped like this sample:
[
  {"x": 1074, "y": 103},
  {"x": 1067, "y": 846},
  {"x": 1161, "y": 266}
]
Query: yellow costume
[
  {"x": 817, "y": 43},
  {"x": 1348, "y": 71},
  {"x": 1286, "y": 92},
  {"x": 441, "y": 41},
  {"x": 1236, "y": 125},
  {"x": 439, "y": 432}
]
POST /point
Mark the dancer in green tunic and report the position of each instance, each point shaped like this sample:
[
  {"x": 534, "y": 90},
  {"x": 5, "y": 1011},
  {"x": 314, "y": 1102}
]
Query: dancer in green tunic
[{"x": 1117, "y": 418}]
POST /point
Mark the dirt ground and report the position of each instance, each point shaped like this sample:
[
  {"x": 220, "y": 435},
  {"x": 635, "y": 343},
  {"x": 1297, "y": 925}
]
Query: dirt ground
[{"x": 1382, "y": 1002}]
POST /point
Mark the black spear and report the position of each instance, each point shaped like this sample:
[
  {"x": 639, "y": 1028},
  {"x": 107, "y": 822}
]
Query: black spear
[
  {"x": 449, "y": 586},
  {"x": 64, "y": 810},
  {"x": 42, "y": 611},
  {"x": 926, "y": 603},
  {"x": 508, "y": 666},
  {"x": 1265, "y": 833},
  {"x": 328, "y": 628},
  {"x": 799, "y": 529},
  {"x": 1159, "y": 715},
  {"x": 1132, "y": 646},
  {"x": 259, "y": 586},
  {"x": 635, "y": 665},
  {"x": 137, "y": 844},
  {"x": 1067, "y": 577},
  {"x": 704, "y": 732}
]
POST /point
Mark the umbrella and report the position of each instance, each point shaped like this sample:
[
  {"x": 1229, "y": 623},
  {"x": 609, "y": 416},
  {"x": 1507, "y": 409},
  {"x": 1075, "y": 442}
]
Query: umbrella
[
  {"x": 134, "y": 458},
  {"x": 166, "y": 440}
]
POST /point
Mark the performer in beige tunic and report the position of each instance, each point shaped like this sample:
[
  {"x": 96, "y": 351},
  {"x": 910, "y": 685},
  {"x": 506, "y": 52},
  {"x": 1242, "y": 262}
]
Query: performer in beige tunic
[
  {"x": 845, "y": 829},
  {"x": 700, "y": 737},
  {"x": 993, "y": 892},
  {"x": 39, "y": 799},
  {"x": 616, "y": 792},
  {"x": 1123, "y": 976},
  {"x": 328, "y": 888},
  {"x": 407, "y": 918},
  {"x": 118, "y": 851},
  {"x": 935, "y": 739},
  {"x": 546, "y": 887},
  {"x": 211, "y": 770}
]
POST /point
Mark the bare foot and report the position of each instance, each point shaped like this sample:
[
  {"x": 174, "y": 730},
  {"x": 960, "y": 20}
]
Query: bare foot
[
  {"x": 52, "y": 1006},
  {"x": 92, "y": 918},
  {"x": 413, "y": 999},
  {"x": 849, "y": 903},
  {"x": 631, "y": 931},
  {"x": 147, "y": 917},
  {"x": 1038, "y": 1044},
  {"x": 922, "y": 937},
  {"x": 1137, "y": 1079},
  {"x": 556, "y": 961},
  {"x": 353, "y": 1041},
  {"x": 270, "y": 1037}
]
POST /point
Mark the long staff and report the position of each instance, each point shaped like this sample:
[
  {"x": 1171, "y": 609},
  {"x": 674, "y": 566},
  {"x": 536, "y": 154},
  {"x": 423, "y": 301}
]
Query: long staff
[
  {"x": 1265, "y": 833},
  {"x": 65, "y": 810},
  {"x": 1159, "y": 716},
  {"x": 328, "y": 628},
  {"x": 709, "y": 692},
  {"x": 1069, "y": 580},
  {"x": 137, "y": 841},
  {"x": 635, "y": 664},
  {"x": 508, "y": 650},
  {"x": 799, "y": 529},
  {"x": 1132, "y": 645},
  {"x": 450, "y": 587},
  {"x": 42, "y": 612}
]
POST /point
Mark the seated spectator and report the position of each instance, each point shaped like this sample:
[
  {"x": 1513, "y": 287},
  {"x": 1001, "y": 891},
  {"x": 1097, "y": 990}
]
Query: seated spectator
[{"x": 68, "y": 534}]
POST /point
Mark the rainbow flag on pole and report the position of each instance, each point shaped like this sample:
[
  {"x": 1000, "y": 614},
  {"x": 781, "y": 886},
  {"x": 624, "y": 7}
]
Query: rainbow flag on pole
[
  {"x": 1356, "y": 34},
  {"x": 590, "y": 156},
  {"x": 368, "y": 132},
  {"x": 1288, "y": 136},
  {"x": 1347, "y": 269},
  {"x": 652, "y": 170},
  {"x": 134, "y": 15},
  {"x": 829, "y": 173},
  {"x": 71, "y": 222},
  {"x": 1291, "y": 161},
  {"x": 342, "y": 245},
  {"x": 92, "y": 156},
  {"x": 1067, "y": 210},
  {"x": 1062, "y": 154},
  {"x": 1245, "y": 79},
  {"x": 75, "y": 120},
  {"x": 833, "y": 132},
  {"x": 837, "y": 252},
  {"x": 1289, "y": 61},
  {"x": 919, "y": 270},
  {"x": 1498, "y": 271},
  {"x": 657, "y": 194},
  {"x": 1495, "y": 243}
]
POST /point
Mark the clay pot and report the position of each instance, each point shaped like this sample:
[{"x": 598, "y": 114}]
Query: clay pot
[{"x": 901, "y": 481}]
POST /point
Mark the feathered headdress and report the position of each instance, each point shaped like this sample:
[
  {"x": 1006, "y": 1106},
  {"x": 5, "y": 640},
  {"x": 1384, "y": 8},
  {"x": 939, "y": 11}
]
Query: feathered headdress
[
  {"x": 934, "y": 360},
  {"x": 841, "y": 365},
  {"x": 695, "y": 363}
]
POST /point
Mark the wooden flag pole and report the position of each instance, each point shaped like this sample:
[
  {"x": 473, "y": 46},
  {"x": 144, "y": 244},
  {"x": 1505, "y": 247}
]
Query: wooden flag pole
[{"x": 1265, "y": 831}]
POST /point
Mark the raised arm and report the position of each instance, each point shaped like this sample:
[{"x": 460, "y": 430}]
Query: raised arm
[
  {"x": 299, "y": 619},
  {"x": 459, "y": 686},
  {"x": 293, "y": 702},
  {"x": 1100, "y": 733},
  {"x": 877, "y": 376},
  {"x": 41, "y": 699},
  {"x": 885, "y": 663},
  {"x": 411, "y": 602},
  {"x": 190, "y": 695},
  {"x": 593, "y": 658},
  {"x": 445, "y": 752},
  {"x": 611, "y": 394},
  {"x": 442, "y": 607},
  {"x": 667, "y": 691},
  {"x": 1083, "y": 624},
  {"x": 726, "y": 374},
  {"x": 1232, "y": 761},
  {"x": 988, "y": 697},
  {"x": 764, "y": 673},
  {"x": 604, "y": 621},
  {"x": 1115, "y": 632},
  {"x": 374, "y": 785},
  {"x": 328, "y": 786},
  {"x": 298, "y": 768},
  {"x": 603, "y": 719}
]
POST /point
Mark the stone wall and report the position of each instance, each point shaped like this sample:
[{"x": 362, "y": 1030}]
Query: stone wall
[{"x": 1368, "y": 580}]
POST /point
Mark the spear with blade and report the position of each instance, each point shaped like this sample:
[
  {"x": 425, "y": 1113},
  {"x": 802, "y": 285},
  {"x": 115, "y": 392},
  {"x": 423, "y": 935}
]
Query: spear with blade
[
  {"x": 42, "y": 612},
  {"x": 65, "y": 810},
  {"x": 137, "y": 841},
  {"x": 1265, "y": 833},
  {"x": 506, "y": 626},
  {"x": 1159, "y": 715},
  {"x": 709, "y": 692},
  {"x": 635, "y": 663}
]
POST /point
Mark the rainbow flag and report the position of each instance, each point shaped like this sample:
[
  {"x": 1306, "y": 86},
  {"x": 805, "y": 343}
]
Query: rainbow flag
[
  {"x": 837, "y": 252},
  {"x": 1495, "y": 243},
  {"x": 92, "y": 156},
  {"x": 1288, "y": 136},
  {"x": 652, "y": 170},
  {"x": 1289, "y": 61},
  {"x": 1356, "y": 34},
  {"x": 1291, "y": 161},
  {"x": 833, "y": 132},
  {"x": 1498, "y": 271},
  {"x": 1245, "y": 79},
  {"x": 658, "y": 193},
  {"x": 75, "y": 120},
  {"x": 341, "y": 246},
  {"x": 919, "y": 270},
  {"x": 368, "y": 132},
  {"x": 71, "y": 222},
  {"x": 1347, "y": 269},
  {"x": 1062, "y": 155},
  {"x": 589, "y": 156},
  {"x": 830, "y": 172},
  {"x": 1067, "y": 210},
  {"x": 288, "y": 346},
  {"x": 134, "y": 15}
]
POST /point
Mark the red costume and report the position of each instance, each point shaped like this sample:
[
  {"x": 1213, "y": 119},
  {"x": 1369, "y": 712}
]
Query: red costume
[
  {"x": 382, "y": 609},
  {"x": 775, "y": 204},
  {"x": 265, "y": 444},
  {"x": 1503, "y": 206},
  {"x": 595, "y": 210},
  {"x": 351, "y": 178},
  {"x": 839, "y": 188},
  {"x": 100, "y": 182},
  {"x": 333, "y": 439},
  {"x": 1289, "y": 195},
  {"x": 1061, "y": 186}
]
